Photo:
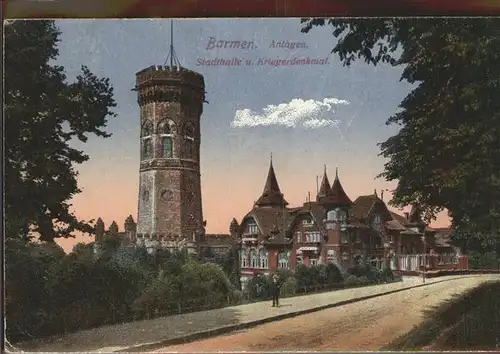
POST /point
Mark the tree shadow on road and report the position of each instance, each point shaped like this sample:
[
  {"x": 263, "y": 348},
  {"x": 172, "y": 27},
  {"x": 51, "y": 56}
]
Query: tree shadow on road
[{"x": 464, "y": 322}]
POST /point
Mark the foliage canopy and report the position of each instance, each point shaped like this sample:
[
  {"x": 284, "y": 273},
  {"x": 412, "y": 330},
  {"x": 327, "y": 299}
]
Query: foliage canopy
[
  {"x": 44, "y": 113},
  {"x": 446, "y": 154}
]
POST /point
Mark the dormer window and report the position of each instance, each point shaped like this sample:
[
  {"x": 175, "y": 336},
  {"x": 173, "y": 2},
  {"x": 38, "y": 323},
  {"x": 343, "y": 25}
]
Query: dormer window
[
  {"x": 307, "y": 222},
  {"x": 377, "y": 223},
  {"x": 337, "y": 215},
  {"x": 253, "y": 229}
]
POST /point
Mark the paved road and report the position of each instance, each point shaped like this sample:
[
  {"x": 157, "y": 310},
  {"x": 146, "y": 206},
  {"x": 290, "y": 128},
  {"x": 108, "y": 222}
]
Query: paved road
[{"x": 365, "y": 325}]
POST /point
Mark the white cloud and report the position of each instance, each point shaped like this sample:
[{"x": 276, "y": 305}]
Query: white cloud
[{"x": 308, "y": 114}]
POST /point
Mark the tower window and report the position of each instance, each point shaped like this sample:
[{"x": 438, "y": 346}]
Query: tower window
[
  {"x": 166, "y": 130},
  {"x": 147, "y": 148},
  {"x": 189, "y": 141},
  {"x": 147, "y": 140},
  {"x": 166, "y": 146},
  {"x": 147, "y": 129}
]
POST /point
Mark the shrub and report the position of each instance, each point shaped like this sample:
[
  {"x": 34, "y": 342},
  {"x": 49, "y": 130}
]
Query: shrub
[
  {"x": 373, "y": 275},
  {"x": 351, "y": 280},
  {"x": 488, "y": 260},
  {"x": 157, "y": 298},
  {"x": 359, "y": 270},
  {"x": 333, "y": 274},
  {"x": 387, "y": 275},
  {"x": 284, "y": 274},
  {"x": 304, "y": 277},
  {"x": 237, "y": 297},
  {"x": 257, "y": 288},
  {"x": 51, "y": 293},
  {"x": 364, "y": 280},
  {"x": 289, "y": 287}
]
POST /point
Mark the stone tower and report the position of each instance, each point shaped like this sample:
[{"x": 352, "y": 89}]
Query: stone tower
[{"x": 171, "y": 103}]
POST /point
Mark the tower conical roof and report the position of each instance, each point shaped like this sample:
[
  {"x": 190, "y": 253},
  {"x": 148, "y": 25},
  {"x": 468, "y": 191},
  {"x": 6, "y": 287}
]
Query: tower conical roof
[
  {"x": 337, "y": 194},
  {"x": 271, "y": 196},
  {"x": 324, "y": 189}
]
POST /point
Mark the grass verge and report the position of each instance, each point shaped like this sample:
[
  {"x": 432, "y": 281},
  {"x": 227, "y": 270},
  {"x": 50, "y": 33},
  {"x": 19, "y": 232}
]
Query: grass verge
[{"x": 469, "y": 321}]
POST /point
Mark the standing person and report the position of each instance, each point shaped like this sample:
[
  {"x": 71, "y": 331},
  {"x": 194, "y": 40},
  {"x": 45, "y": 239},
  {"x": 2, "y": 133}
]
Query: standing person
[{"x": 275, "y": 290}]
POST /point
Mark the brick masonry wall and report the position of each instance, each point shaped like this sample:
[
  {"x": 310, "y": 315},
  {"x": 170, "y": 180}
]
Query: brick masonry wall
[{"x": 174, "y": 207}]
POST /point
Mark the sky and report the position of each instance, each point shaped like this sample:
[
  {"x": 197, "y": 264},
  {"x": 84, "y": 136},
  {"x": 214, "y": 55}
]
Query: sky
[{"x": 307, "y": 116}]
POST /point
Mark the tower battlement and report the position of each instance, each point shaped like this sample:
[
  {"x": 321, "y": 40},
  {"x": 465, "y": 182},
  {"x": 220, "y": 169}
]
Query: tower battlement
[{"x": 168, "y": 75}]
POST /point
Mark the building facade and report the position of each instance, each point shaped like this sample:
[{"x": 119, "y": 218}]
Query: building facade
[{"x": 333, "y": 229}]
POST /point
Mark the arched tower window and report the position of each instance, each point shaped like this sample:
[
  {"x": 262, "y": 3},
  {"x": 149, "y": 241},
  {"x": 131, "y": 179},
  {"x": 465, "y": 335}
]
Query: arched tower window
[
  {"x": 147, "y": 140},
  {"x": 166, "y": 131},
  {"x": 189, "y": 141},
  {"x": 263, "y": 258}
]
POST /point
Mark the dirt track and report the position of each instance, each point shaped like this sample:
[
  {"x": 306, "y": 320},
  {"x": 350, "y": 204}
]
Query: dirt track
[{"x": 366, "y": 325}]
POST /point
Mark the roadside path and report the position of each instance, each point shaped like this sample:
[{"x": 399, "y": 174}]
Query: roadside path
[
  {"x": 155, "y": 333},
  {"x": 361, "y": 326}
]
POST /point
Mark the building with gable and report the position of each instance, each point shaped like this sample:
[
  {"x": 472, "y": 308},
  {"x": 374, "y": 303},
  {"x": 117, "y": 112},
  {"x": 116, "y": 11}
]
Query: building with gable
[{"x": 335, "y": 229}]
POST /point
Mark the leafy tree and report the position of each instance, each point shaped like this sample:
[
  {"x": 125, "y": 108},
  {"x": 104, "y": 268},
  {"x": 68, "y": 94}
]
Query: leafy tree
[
  {"x": 26, "y": 273},
  {"x": 230, "y": 263},
  {"x": 447, "y": 153},
  {"x": 304, "y": 276},
  {"x": 207, "y": 253},
  {"x": 84, "y": 251},
  {"x": 43, "y": 114}
]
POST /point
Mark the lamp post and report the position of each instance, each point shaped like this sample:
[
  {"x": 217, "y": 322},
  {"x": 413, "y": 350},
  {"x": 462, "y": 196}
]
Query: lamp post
[{"x": 425, "y": 257}]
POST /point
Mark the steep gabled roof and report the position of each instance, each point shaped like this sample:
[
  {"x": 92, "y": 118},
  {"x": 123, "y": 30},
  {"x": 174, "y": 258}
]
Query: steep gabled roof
[
  {"x": 337, "y": 195},
  {"x": 267, "y": 219},
  {"x": 271, "y": 196},
  {"x": 364, "y": 205},
  {"x": 399, "y": 218}
]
